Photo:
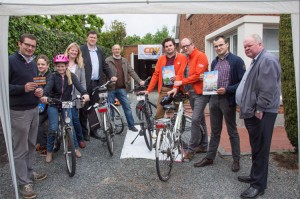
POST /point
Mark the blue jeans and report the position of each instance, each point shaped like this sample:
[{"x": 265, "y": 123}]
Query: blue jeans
[
  {"x": 121, "y": 95},
  {"x": 53, "y": 126},
  {"x": 76, "y": 124}
]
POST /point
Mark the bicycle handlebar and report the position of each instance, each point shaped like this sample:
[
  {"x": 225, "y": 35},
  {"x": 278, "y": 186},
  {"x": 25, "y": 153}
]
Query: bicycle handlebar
[
  {"x": 102, "y": 86},
  {"x": 139, "y": 87},
  {"x": 57, "y": 101}
]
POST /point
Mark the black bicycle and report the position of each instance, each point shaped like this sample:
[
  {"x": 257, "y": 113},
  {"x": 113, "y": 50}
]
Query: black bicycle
[
  {"x": 65, "y": 133},
  {"x": 108, "y": 115},
  {"x": 144, "y": 111}
]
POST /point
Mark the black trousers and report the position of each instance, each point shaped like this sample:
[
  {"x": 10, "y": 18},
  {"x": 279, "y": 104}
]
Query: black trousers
[
  {"x": 260, "y": 135},
  {"x": 83, "y": 111}
]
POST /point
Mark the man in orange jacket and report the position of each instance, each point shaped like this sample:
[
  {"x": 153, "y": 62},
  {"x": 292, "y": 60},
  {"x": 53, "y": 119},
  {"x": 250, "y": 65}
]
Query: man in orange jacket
[
  {"x": 189, "y": 77},
  {"x": 170, "y": 58}
]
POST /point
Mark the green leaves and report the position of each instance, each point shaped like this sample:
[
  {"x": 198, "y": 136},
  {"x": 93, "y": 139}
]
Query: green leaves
[{"x": 288, "y": 78}]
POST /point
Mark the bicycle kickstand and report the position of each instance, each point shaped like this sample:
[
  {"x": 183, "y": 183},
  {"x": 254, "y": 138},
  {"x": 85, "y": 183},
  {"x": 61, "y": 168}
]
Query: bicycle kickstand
[{"x": 140, "y": 133}]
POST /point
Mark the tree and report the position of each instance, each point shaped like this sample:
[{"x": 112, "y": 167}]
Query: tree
[
  {"x": 132, "y": 40},
  {"x": 149, "y": 38},
  {"x": 114, "y": 35},
  {"x": 288, "y": 78},
  {"x": 50, "y": 41}
]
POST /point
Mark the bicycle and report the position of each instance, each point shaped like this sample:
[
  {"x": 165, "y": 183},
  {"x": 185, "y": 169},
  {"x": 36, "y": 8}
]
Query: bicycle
[
  {"x": 108, "y": 115},
  {"x": 65, "y": 133},
  {"x": 173, "y": 138},
  {"x": 144, "y": 111}
]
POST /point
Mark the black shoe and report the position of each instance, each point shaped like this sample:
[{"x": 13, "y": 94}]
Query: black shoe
[
  {"x": 86, "y": 137},
  {"x": 246, "y": 179},
  {"x": 251, "y": 193},
  {"x": 235, "y": 166},
  {"x": 133, "y": 129},
  {"x": 93, "y": 135}
]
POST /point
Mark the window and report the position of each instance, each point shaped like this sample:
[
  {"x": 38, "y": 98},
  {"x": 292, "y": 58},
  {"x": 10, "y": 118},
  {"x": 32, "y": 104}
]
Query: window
[{"x": 270, "y": 39}]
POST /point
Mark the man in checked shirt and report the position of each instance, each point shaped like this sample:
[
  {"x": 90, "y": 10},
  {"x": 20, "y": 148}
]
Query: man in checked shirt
[{"x": 231, "y": 69}]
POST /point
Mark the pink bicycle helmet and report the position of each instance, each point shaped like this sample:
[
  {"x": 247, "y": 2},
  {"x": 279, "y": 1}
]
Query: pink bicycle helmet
[{"x": 60, "y": 59}]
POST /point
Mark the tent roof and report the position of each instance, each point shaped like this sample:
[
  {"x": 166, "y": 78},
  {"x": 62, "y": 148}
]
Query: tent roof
[{"x": 63, "y": 7}]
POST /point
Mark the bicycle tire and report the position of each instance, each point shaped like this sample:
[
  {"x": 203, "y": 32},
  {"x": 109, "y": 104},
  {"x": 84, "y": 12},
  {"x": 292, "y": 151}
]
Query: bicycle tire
[
  {"x": 109, "y": 132},
  {"x": 164, "y": 155},
  {"x": 146, "y": 129},
  {"x": 117, "y": 119},
  {"x": 58, "y": 136},
  {"x": 69, "y": 152},
  {"x": 185, "y": 135}
]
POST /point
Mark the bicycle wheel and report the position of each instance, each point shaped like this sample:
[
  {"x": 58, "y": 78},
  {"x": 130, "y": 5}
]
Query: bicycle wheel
[
  {"x": 69, "y": 151},
  {"x": 164, "y": 155},
  {"x": 146, "y": 129},
  {"x": 117, "y": 119},
  {"x": 109, "y": 133},
  {"x": 185, "y": 135},
  {"x": 58, "y": 136}
]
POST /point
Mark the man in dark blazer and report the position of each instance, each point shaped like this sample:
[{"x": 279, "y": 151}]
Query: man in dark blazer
[{"x": 95, "y": 66}]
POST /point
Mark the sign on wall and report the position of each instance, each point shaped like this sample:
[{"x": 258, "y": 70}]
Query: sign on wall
[{"x": 149, "y": 51}]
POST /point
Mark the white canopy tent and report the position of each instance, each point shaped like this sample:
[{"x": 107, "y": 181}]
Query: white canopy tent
[{"x": 70, "y": 7}]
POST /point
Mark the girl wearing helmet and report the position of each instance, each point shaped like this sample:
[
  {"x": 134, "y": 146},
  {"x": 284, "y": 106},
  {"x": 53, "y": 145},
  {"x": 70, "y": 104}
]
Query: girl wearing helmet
[{"x": 60, "y": 86}]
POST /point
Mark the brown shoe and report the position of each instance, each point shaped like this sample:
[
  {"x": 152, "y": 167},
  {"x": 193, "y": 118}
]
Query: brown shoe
[
  {"x": 201, "y": 149},
  {"x": 82, "y": 144},
  {"x": 49, "y": 157},
  {"x": 189, "y": 156},
  {"x": 204, "y": 162},
  {"x": 27, "y": 191},
  {"x": 235, "y": 166},
  {"x": 38, "y": 176},
  {"x": 78, "y": 154}
]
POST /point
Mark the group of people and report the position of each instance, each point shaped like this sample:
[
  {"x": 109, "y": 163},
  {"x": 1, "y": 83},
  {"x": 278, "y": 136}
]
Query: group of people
[
  {"x": 255, "y": 90},
  {"x": 82, "y": 68}
]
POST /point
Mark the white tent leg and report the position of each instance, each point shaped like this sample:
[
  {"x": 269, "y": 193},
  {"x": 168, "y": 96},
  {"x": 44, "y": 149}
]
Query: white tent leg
[{"x": 4, "y": 105}]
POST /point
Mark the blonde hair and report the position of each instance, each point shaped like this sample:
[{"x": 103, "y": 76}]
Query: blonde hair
[
  {"x": 79, "y": 59},
  {"x": 68, "y": 74}
]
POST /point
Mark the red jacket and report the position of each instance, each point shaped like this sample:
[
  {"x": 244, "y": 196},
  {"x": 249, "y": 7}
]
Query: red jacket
[
  {"x": 180, "y": 61},
  {"x": 198, "y": 64}
]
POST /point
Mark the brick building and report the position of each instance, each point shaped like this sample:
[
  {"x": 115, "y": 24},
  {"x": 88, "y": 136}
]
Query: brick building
[{"x": 203, "y": 28}]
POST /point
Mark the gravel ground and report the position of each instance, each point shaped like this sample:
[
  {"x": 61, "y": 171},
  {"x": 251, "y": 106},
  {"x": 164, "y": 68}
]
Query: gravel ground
[{"x": 99, "y": 175}]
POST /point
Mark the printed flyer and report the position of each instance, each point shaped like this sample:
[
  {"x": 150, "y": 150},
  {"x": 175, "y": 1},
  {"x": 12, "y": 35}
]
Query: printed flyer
[
  {"x": 210, "y": 83},
  {"x": 167, "y": 73}
]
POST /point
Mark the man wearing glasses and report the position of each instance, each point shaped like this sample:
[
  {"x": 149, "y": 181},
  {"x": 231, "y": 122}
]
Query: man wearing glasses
[
  {"x": 189, "y": 78},
  {"x": 24, "y": 96},
  {"x": 231, "y": 69}
]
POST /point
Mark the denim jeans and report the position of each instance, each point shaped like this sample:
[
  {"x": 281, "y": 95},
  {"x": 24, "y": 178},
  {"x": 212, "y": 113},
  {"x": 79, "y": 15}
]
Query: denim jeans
[
  {"x": 121, "y": 95},
  {"x": 76, "y": 124},
  {"x": 53, "y": 126}
]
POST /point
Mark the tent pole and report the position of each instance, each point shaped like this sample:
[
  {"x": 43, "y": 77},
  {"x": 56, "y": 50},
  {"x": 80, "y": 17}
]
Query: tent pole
[{"x": 4, "y": 106}]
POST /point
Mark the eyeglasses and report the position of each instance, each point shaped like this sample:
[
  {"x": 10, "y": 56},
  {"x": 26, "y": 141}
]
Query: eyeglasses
[
  {"x": 186, "y": 46},
  {"x": 220, "y": 45},
  {"x": 29, "y": 45}
]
